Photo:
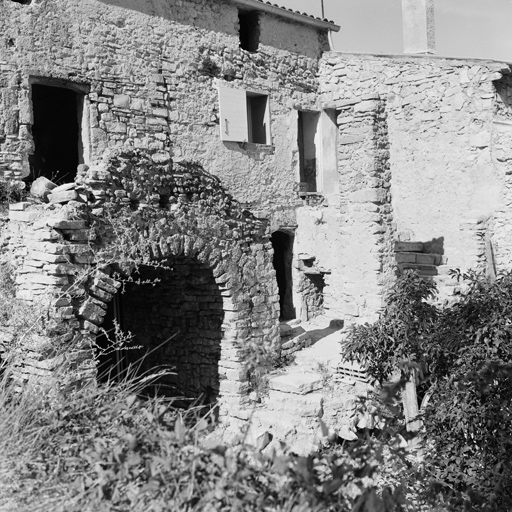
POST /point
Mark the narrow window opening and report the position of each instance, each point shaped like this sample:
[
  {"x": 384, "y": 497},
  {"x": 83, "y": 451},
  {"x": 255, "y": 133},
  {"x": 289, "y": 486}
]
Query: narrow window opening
[
  {"x": 308, "y": 149},
  {"x": 22, "y": 2},
  {"x": 249, "y": 30},
  {"x": 283, "y": 258},
  {"x": 257, "y": 118},
  {"x": 57, "y": 133}
]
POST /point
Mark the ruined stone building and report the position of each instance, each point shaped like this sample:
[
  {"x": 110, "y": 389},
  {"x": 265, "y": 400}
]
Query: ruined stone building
[{"x": 282, "y": 180}]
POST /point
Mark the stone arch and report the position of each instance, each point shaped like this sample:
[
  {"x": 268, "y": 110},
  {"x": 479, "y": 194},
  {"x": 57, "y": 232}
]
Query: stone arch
[{"x": 188, "y": 321}]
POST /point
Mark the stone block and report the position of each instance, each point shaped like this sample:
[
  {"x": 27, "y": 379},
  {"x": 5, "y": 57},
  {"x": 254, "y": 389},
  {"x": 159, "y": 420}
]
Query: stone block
[
  {"x": 304, "y": 405},
  {"x": 366, "y": 106},
  {"x": 405, "y": 257},
  {"x": 92, "y": 312},
  {"x": 347, "y": 102},
  {"x": 23, "y": 216},
  {"x": 299, "y": 383},
  {"x": 121, "y": 101},
  {"x": 65, "y": 224},
  {"x": 408, "y": 246},
  {"x": 50, "y": 258},
  {"x": 19, "y": 206},
  {"x": 426, "y": 259},
  {"x": 351, "y": 139},
  {"x": 41, "y": 187},
  {"x": 44, "y": 279},
  {"x": 62, "y": 197},
  {"x": 423, "y": 270},
  {"x": 64, "y": 188},
  {"x": 369, "y": 195}
]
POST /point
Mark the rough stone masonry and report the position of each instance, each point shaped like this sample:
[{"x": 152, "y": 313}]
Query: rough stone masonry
[{"x": 273, "y": 178}]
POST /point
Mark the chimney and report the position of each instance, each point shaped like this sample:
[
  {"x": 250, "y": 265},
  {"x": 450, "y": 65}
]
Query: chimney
[{"x": 418, "y": 26}]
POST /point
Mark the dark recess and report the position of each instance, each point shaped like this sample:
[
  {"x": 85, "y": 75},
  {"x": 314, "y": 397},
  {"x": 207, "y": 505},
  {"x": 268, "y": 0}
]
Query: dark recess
[
  {"x": 56, "y": 132},
  {"x": 249, "y": 30}
]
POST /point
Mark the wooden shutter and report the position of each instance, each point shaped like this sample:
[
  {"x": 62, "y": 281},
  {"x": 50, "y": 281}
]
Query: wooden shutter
[{"x": 233, "y": 115}]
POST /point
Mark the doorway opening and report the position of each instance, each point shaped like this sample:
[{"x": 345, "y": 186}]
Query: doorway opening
[
  {"x": 174, "y": 314},
  {"x": 283, "y": 258},
  {"x": 57, "y": 133}
]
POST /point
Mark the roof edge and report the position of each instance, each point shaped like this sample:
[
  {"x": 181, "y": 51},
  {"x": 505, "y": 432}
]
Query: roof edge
[{"x": 259, "y": 5}]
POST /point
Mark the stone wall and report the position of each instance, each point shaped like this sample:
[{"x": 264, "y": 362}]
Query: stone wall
[
  {"x": 148, "y": 72},
  {"x": 216, "y": 258},
  {"x": 438, "y": 166}
]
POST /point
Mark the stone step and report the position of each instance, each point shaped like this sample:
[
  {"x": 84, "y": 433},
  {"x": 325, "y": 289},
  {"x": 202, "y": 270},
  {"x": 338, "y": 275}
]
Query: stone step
[
  {"x": 423, "y": 270},
  {"x": 298, "y": 383},
  {"x": 420, "y": 258},
  {"x": 409, "y": 246},
  {"x": 302, "y": 405}
]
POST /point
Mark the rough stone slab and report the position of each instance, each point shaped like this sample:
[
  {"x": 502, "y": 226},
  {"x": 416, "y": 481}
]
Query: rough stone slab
[
  {"x": 23, "y": 216},
  {"x": 62, "y": 197},
  {"x": 426, "y": 259},
  {"x": 351, "y": 139},
  {"x": 347, "y": 102},
  {"x": 299, "y": 383},
  {"x": 64, "y": 188},
  {"x": 423, "y": 270},
  {"x": 19, "y": 206},
  {"x": 408, "y": 246},
  {"x": 66, "y": 224},
  {"x": 303, "y": 405},
  {"x": 50, "y": 258},
  {"x": 42, "y": 187},
  {"x": 369, "y": 195},
  {"x": 405, "y": 257}
]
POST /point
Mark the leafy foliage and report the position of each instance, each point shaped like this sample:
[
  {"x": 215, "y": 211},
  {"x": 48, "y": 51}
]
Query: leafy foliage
[
  {"x": 104, "y": 448},
  {"x": 463, "y": 353}
]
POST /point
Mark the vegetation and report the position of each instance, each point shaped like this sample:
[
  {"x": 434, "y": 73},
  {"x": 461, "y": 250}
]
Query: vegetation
[
  {"x": 462, "y": 354},
  {"x": 105, "y": 448}
]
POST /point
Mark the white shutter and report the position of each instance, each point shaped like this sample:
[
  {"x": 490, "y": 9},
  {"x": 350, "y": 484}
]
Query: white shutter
[{"x": 233, "y": 115}]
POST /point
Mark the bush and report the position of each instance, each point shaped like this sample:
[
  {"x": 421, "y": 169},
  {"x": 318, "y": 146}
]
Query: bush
[
  {"x": 105, "y": 448},
  {"x": 463, "y": 353}
]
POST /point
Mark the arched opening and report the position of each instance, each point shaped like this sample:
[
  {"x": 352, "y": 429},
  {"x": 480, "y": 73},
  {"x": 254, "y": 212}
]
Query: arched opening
[
  {"x": 283, "y": 256},
  {"x": 174, "y": 313}
]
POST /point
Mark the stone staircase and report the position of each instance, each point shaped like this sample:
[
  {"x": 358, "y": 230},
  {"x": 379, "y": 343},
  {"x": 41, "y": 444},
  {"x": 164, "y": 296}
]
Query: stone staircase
[
  {"x": 412, "y": 256},
  {"x": 307, "y": 391}
]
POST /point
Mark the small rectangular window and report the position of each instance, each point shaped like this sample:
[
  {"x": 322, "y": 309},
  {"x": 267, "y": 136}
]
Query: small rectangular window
[
  {"x": 317, "y": 142},
  {"x": 244, "y": 116},
  {"x": 257, "y": 117},
  {"x": 249, "y": 30}
]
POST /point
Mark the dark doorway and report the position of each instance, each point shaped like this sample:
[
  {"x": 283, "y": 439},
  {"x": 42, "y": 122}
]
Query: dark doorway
[
  {"x": 307, "y": 142},
  {"x": 56, "y": 132},
  {"x": 283, "y": 256},
  {"x": 175, "y": 315}
]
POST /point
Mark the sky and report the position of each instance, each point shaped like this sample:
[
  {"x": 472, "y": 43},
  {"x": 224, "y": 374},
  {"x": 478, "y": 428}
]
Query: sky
[{"x": 464, "y": 28}]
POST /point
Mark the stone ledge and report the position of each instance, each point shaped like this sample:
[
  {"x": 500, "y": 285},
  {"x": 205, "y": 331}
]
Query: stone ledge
[{"x": 299, "y": 383}]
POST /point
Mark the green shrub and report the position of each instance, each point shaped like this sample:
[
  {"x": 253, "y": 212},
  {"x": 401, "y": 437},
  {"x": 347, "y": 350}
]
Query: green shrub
[
  {"x": 104, "y": 448},
  {"x": 463, "y": 354}
]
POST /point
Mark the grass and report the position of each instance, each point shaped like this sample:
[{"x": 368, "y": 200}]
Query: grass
[{"x": 106, "y": 448}]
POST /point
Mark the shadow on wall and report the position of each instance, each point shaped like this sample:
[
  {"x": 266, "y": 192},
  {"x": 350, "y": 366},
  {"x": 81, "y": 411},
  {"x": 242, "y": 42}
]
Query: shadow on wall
[
  {"x": 434, "y": 246},
  {"x": 161, "y": 9}
]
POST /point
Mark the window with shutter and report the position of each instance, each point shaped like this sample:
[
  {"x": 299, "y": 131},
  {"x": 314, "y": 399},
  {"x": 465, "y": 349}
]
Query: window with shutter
[{"x": 244, "y": 116}]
